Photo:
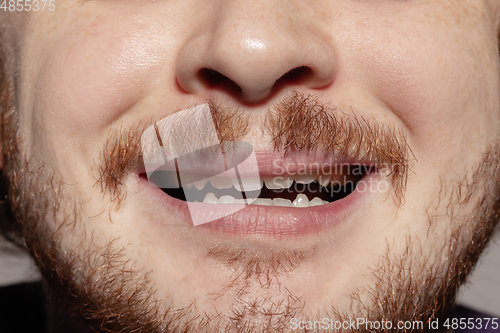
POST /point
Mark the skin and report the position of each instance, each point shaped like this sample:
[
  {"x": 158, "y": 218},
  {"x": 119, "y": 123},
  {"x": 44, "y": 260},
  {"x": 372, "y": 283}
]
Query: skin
[{"x": 428, "y": 68}]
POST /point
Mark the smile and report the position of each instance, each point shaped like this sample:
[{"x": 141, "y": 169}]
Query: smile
[
  {"x": 276, "y": 205},
  {"x": 238, "y": 187},
  {"x": 299, "y": 191}
]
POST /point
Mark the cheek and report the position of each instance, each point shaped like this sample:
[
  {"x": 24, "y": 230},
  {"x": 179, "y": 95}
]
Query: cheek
[
  {"x": 89, "y": 80},
  {"x": 95, "y": 77},
  {"x": 440, "y": 87}
]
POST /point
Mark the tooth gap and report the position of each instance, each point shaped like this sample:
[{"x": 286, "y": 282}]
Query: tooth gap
[{"x": 329, "y": 193}]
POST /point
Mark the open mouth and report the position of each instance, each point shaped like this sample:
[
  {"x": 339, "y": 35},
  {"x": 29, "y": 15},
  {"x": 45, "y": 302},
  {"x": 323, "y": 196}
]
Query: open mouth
[
  {"x": 304, "y": 190},
  {"x": 275, "y": 205},
  {"x": 244, "y": 188}
]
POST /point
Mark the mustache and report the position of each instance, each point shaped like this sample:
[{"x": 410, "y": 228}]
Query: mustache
[
  {"x": 303, "y": 123},
  {"x": 295, "y": 123}
]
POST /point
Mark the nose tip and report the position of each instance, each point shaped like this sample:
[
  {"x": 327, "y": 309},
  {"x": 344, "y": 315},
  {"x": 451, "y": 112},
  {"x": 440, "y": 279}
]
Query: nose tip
[{"x": 252, "y": 60}]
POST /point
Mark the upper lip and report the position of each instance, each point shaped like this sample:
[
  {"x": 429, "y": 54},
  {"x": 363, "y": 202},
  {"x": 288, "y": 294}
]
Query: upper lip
[{"x": 273, "y": 163}]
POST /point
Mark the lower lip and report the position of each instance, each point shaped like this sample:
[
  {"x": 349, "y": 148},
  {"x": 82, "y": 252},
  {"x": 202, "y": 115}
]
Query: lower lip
[{"x": 266, "y": 221}]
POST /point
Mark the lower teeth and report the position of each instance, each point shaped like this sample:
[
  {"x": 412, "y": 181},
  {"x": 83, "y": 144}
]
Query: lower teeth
[{"x": 300, "y": 201}]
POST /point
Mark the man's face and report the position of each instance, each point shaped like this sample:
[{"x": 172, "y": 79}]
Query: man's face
[{"x": 416, "y": 82}]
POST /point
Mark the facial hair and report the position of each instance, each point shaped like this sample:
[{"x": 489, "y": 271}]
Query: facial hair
[{"x": 101, "y": 285}]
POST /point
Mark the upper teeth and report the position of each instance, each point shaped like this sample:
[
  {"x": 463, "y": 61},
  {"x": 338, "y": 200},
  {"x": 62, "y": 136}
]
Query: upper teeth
[
  {"x": 305, "y": 179},
  {"x": 278, "y": 182},
  {"x": 245, "y": 184},
  {"x": 220, "y": 182},
  {"x": 273, "y": 183}
]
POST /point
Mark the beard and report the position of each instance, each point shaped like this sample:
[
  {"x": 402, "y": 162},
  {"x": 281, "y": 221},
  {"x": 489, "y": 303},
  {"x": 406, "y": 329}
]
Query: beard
[{"x": 100, "y": 284}]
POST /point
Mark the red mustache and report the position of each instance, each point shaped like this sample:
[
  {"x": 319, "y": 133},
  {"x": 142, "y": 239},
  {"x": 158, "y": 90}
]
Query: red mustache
[{"x": 296, "y": 123}]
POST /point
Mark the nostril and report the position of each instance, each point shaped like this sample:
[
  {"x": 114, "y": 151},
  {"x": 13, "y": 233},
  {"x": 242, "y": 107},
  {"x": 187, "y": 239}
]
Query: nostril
[
  {"x": 249, "y": 89},
  {"x": 294, "y": 76},
  {"x": 213, "y": 79}
]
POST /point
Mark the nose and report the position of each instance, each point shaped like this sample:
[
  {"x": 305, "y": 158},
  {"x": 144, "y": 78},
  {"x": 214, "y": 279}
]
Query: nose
[{"x": 251, "y": 49}]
